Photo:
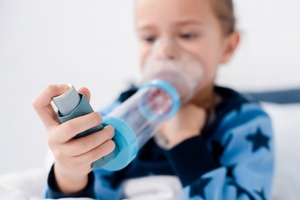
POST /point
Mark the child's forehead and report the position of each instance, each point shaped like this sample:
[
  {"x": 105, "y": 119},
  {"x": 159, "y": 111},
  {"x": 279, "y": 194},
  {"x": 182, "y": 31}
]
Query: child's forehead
[
  {"x": 169, "y": 7},
  {"x": 177, "y": 11},
  {"x": 175, "y": 4}
]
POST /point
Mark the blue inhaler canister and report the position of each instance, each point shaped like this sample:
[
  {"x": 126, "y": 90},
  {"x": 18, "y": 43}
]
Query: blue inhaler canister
[{"x": 70, "y": 105}]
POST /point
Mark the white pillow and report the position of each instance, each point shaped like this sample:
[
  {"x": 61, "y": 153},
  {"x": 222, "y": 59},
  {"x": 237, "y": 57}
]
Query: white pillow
[{"x": 286, "y": 124}]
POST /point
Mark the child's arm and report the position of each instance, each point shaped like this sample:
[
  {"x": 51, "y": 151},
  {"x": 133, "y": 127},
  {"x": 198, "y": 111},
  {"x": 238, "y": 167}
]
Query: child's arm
[
  {"x": 73, "y": 157},
  {"x": 237, "y": 162}
]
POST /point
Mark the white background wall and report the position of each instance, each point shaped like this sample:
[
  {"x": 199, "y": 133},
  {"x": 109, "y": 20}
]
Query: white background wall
[{"x": 92, "y": 43}]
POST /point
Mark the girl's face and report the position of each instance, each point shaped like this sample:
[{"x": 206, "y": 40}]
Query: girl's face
[{"x": 192, "y": 24}]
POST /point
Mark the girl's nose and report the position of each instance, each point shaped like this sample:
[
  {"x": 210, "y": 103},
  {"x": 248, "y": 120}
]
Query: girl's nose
[{"x": 166, "y": 49}]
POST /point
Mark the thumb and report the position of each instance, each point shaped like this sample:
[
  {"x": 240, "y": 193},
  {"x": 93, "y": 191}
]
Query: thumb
[{"x": 86, "y": 92}]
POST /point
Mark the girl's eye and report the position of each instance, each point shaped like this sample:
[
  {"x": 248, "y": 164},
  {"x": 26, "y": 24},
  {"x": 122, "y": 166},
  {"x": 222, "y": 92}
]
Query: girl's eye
[
  {"x": 149, "y": 39},
  {"x": 188, "y": 36}
]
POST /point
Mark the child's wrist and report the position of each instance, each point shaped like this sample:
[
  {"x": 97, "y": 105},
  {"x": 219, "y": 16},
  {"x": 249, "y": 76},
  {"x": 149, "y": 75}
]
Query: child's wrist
[{"x": 70, "y": 184}]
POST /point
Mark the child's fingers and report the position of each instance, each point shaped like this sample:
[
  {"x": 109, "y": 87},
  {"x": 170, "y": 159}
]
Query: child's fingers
[
  {"x": 85, "y": 144},
  {"x": 96, "y": 153},
  {"x": 69, "y": 129},
  {"x": 82, "y": 163},
  {"x": 42, "y": 103}
]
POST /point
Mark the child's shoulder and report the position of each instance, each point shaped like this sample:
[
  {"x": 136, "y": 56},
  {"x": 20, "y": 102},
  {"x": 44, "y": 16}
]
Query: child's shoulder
[{"x": 236, "y": 109}]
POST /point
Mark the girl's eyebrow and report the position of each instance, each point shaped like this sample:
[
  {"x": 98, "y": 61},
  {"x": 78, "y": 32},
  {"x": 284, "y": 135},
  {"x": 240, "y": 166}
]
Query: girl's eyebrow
[
  {"x": 182, "y": 22},
  {"x": 144, "y": 26},
  {"x": 188, "y": 21}
]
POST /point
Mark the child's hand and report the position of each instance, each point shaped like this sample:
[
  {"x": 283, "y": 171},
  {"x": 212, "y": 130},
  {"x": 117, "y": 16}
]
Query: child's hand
[
  {"x": 187, "y": 123},
  {"x": 73, "y": 157}
]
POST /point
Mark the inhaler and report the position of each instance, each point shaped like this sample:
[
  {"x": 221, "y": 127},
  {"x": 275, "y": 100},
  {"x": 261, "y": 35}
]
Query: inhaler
[{"x": 170, "y": 78}]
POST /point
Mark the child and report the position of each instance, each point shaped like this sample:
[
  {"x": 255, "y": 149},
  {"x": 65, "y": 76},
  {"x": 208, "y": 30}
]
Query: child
[{"x": 218, "y": 146}]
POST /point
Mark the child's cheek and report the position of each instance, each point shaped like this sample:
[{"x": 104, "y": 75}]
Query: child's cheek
[{"x": 143, "y": 54}]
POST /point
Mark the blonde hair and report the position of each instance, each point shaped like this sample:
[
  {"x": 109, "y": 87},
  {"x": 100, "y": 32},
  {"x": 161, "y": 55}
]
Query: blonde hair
[{"x": 224, "y": 11}]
